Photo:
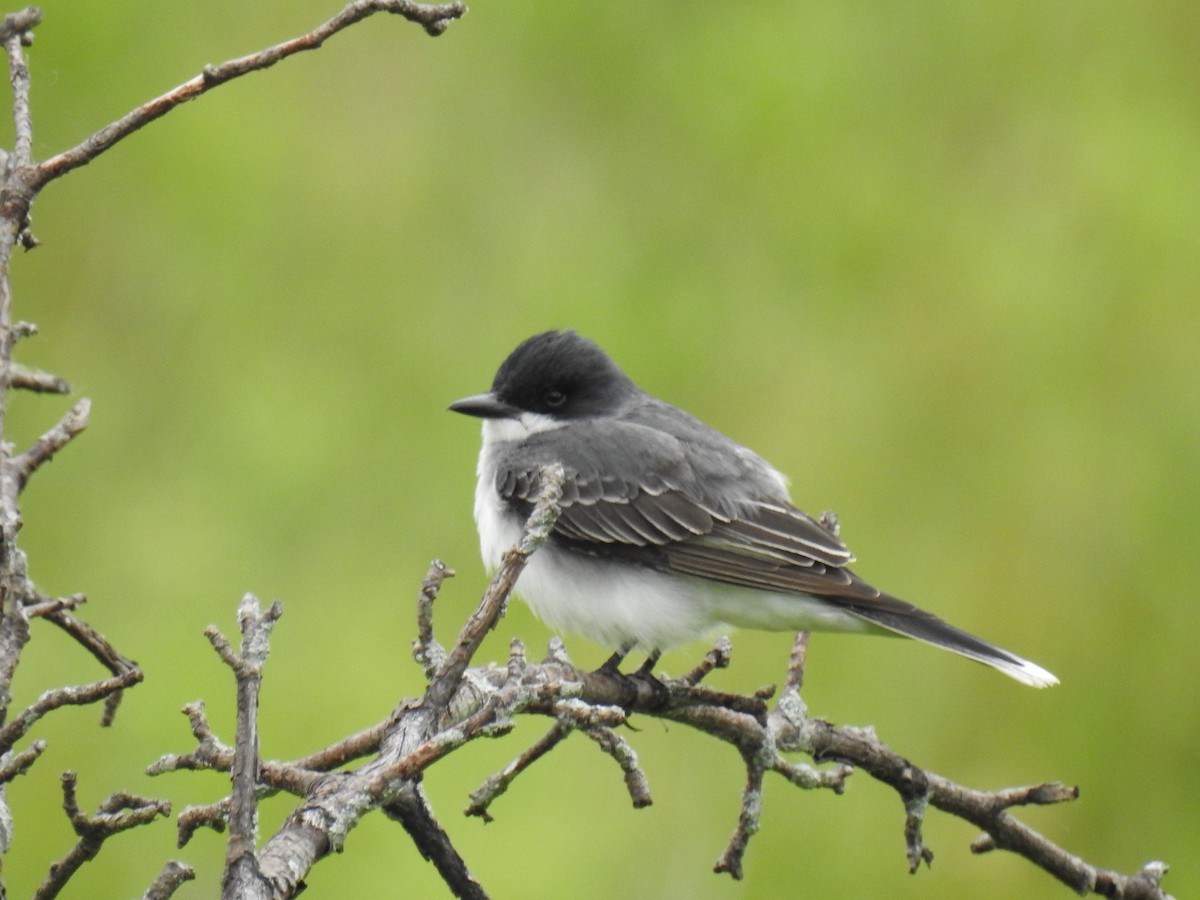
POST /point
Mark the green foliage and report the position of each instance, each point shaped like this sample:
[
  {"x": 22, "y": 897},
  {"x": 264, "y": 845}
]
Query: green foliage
[{"x": 937, "y": 261}]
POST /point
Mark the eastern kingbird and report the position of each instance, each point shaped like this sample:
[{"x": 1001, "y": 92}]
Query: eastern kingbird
[{"x": 669, "y": 530}]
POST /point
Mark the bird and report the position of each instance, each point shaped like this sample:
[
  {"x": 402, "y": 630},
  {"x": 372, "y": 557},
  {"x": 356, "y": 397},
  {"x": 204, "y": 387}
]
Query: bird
[{"x": 669, "y": 531}]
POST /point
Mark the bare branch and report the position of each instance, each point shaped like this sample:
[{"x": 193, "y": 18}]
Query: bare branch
[
  {"x": 433, "y": 18},
  {"x": 626, "y": 757},
  {"x": 73, "y": 422},
  {"x": 747, "y": 824},
  {"x": 541, "y": 521},
  {"x": 55, "y": 698},
  {"x": 483, "y": 796},
  {"x": 464, "y": 704},
  {"x": 796, "y": 660},
  {"x": 95, "y": 643},
  {"x": 14, "y": 624},
  {"x": 39, "y": 382},
  {"x": 295, "y": 777},
  {"x": 14, "y": 33},
  {"x": 412, "y": 811},
  {"x": 345, "y": 751},
  {"x": 169, "y": 880},
  {"x": 43, "y": 607},
  {"x": 716, "y": 658},
  {"x": 18, "y": 194},
  {"x": 985, "y": 809},
  {"x": 256, "y": 625},
  {"x": 214, "y": 816},
  {"x": 426, "y": 650},
  {"x": 15, "y": 764},
  {"x": 18, "y": 24},
  {"x": 118, "y": 813}
]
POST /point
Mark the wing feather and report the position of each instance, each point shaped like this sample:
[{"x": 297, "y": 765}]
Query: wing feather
[{"x": 719, "y": 516}]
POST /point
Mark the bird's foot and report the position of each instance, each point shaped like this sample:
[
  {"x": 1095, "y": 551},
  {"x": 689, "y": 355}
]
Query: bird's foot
[{"x": 640, "y": 688}]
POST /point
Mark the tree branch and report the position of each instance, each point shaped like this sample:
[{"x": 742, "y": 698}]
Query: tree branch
[
  {"x": 464, "y": 703},
  {"x": 73, "y": 422},
  {"x": 411, "y": 810},
  {"x": 435, "y": 19},
  {"x": 241, "y": 866},
  {"x": 21, "y": 179},
  {"x": 461, "y": 703},
  {"x": 418, "y": 733},
  {"x": 63, "y": 696},
  {"x": 169, "y": 880},
  {"x": 116, "y": 814},
  {"x": 39, "y": 382}
]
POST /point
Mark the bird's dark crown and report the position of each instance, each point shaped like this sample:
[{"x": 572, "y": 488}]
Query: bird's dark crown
[{"x": 561, "y": 374}]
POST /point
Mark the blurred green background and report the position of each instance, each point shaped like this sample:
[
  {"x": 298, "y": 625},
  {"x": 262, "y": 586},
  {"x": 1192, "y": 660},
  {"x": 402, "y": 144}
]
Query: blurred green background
[{"x": 939, "y": 262}]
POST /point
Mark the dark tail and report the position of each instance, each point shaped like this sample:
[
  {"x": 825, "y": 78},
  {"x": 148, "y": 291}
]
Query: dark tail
[{"x": 903, "y": 618}]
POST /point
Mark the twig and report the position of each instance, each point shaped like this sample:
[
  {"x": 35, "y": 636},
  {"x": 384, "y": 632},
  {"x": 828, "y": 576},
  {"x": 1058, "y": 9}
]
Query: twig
[
  {"x": 43, "y": 449},
  {"x": 985, "y": 809},
  {"x": 426, "y": 650},
  {"x": 716, "y": 658},
  {"x": 118, "y": 813},
  {"x": 55, "y": 698},
  {"x": 433, "y": 18},
  {"x": 169, "y": 880},
  {"x": 296, "y": 777},
  {"x": 256, "y": 625},
  {"x": 412, "y": 811},
  {"x": 18, "y": 763},
  {"x": 37, "y": 381},
  {"x": 495, "y": 786},
  {"x": 20, "y": 23},
  {"x": 626, "y": 757},
  {"x": 14, "y": 33},
  {"x": 213, "y": 815},
  {"x": 748, "y": 822},
  {"x": 345, "y": 751},
  {"x": 794, "y": 677},
  {"x": 96, "y": 644},
  {"x": 18, "y": 194},
  {"x": 40, "y": 606},
  {"x": 537, "y": 530}
]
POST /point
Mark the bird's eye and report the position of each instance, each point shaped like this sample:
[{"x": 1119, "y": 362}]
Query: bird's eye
[{"x": 555, "y": 398}]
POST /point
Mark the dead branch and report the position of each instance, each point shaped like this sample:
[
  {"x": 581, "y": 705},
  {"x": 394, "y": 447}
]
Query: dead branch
[
  {"x": 464, "y": 703},
  {"x": 169, "y": 880},
  {"x": 55, "y": 698},
  {"x": 43, "y": 449},
  {"x": 435, "y": 19},
  {"x": 116, "y": 814},
  {"x": 21, "y": 180},
  {"x": 461, "y": 703},
  {"x": 256, "y": 624},
  {"x": 34, "y": 380}
]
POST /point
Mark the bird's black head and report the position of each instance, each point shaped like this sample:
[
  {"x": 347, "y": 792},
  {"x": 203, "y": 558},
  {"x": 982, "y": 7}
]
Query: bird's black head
[
  {"x": 557, "y": 374},
  {"x": 560, "y": 374}
]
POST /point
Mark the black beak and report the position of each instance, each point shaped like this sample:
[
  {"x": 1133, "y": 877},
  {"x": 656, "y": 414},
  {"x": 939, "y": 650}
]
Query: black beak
[{"x": 484, "y": 406}]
